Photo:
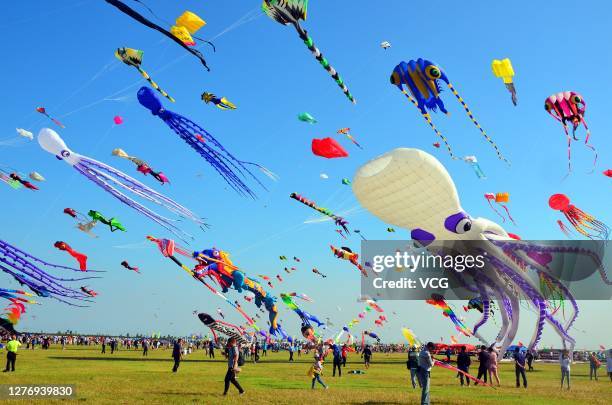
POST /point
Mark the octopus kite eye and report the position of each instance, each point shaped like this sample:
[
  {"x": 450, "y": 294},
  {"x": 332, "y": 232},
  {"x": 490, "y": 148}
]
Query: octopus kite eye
[
  {"x": 433, "y": 72},
  {"x": 65, "y": 153},
  {"x": 576, "y": 99},
  {"x": 395, "y": 78},
  {"x": 547, "y": 107},
  {"x": 458, "y": 223}
]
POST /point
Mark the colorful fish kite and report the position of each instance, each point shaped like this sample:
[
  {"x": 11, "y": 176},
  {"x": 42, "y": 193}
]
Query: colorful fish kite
[
  {"x": 221, "y": 103},
  {"x": 291, "y": 12},
  {"x": 133, "y": 57},
  {"x": 472, "y": 161},
  {"x": 586, "y": 224},
  {"x": 111, "y": 179},
  {"x": 23, "y": 182},
  {"x": 503, "y": 69},
  {"x": 347, "y": 254},
  {"x": 421, "y": 79},
  {"x": 79, "y": 257},
  {"x": 43, "y": 111},
  {"x": 439, "y": 302},
  {"x": 138, "y": 17},
  {"x": 570, "y": 107},
  {"x": 132, "y": 268},
  {"x": 338, "y": 220},
  {"x": 346, "y": 131},
  {"x": 141, "y": 166},
  {"x": 501, "y": 199},
  {"x": 306, "y": 117},
  {"x": 346, "y": 181},
  {"x": 328, "y": 148},
  {"x": 230, "y": 168},
  {"x": 410, "y": 337}
]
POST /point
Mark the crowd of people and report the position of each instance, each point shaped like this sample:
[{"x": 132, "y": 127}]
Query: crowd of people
[{"x": 419, "y": 362}]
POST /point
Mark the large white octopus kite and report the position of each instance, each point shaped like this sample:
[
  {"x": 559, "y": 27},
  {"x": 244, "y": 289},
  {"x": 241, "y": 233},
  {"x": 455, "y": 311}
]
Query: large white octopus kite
[{"x": 411, "y": 189}]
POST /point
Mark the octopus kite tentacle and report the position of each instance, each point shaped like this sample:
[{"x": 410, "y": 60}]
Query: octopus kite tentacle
[
  {"x": 107, "y": 177},
  {"x": 228, "y": 166}
]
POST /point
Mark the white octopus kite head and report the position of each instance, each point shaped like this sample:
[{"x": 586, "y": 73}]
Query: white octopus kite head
[
  {"x": 50, "y": 141},
  {"x": 410, "y": 188}
]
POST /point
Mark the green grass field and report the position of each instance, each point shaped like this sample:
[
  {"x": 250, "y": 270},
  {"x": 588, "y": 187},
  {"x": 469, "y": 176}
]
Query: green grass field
[{"x": 125, "y": 377}]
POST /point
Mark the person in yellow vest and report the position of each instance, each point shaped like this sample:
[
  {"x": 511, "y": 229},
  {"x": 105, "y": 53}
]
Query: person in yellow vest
[{"x": 11, "y": 353}]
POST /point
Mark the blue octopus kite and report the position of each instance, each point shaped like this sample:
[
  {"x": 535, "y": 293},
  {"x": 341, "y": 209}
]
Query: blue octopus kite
[{"x": 421, "y": 78}]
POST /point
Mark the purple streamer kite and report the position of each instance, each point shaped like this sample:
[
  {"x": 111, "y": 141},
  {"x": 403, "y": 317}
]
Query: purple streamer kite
[
  {"x": 110, "y": 179},
  {"x": 228, "y": 166},
  {"x": 26, "y": 269}
]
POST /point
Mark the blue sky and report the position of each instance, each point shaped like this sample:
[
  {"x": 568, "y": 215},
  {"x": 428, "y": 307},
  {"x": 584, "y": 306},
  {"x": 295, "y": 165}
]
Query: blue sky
[{"x": 62, "y": 58}]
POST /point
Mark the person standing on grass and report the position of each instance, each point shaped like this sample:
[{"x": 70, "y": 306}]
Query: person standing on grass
[
  {"x": 463, "y": 363},
  {"x": 11, "y": 353},
  {"x": 493, "y": 366},
  {"x": 103, "y": 345},
  {"x": 530, "y": 358},
  {"x": 519, "y": 367},
  {"x": 367, "y": 356},
  {"x": 211, "y": 349},
  {"x": 145, "y": 348},
  {"x": 337, "y": 361},
  {"x": 609, "y": 363},
  {"x": 345, "y": 350},
  {"x": 177, "y": 353},
  {"x": 483, "y": 367},
  {"x": 290, "y": 352},
  {"x": 413, "y": 366},
  {"x": 233, "y": 355},
  {"x": 594, "y": 365},
  {"x": 425, "y": 364},
  {"x": 565, "y": 362},
  {"x": 316, "y": 370}
]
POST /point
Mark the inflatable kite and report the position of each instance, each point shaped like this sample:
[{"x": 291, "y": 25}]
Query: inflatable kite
[
  {"x": 582, "y": 222},
  {"x": 141, "y": 166},
  {"x": 133, "y": 57},
  {"x": 306, "y": 117},
  {"x": 79, "y": 257},
  {"x": 439, "y": 302},
  {"x": 26, "y": 134},
  {"x": 221, "y": 103},
  {"x": 338, "y": 220},
  {"x": 36, "y": 176},
  {"x": 23, "y": 182},
  {"x": 112, "y": 223},
  {"x": 127, "y": 266},
  {"x": 89, "y": 291},
  {"x": 570, "y": 107},
  {"x": 385, "y": 45},
  {"x": 316, "y": 271},
  {"x": 503, "y": 69},
  {"x": 111, "y": 179},
  {"x": 473, "y": 162},
  {"x": 172, "y": 35},
  {"x": 347, "y": 254},
  {"x": 43, "y": 111},
  {"x": 607, "y": 173},
  {"x": 328, "y": 148},
  {"x": 230, "y": 168},
  {"x": 421, "y": 79},
  {"x": 224, "y": 328},
  {"x": 291, "y": 12}
]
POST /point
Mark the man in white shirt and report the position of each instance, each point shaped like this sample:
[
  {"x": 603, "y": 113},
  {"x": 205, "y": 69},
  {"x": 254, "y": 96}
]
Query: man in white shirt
[{"x": 425, "y": 365}]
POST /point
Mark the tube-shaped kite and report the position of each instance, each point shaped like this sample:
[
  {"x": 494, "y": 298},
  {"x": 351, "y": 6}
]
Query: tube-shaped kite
[{"x": 338, "y": 220}]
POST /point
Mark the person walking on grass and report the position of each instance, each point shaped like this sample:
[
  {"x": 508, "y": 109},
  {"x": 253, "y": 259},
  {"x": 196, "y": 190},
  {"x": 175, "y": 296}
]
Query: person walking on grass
[
  {"x": 367, "y": 356},
  {"x": 233, "y": 366},
  {"x": 463, "y": 363},
  {"x": 483, "y": 367},
  {"x": 493, "y": 366},
  {"x": 316, "y": 370},
  {"x": 177, "y": 353},
  {"x": 519, "y": 367},
  {"x": 565, "y": 362},
  {"x": 11, "y": 353},
  {"x": 425, "y": 364},
  {"x": 609, "y": 363},
  {"x": 413, "y": 365},
  {"x": 337, "y": 360},
  {"x": 593, "y": 365},
  {"x": 530, "y": 357},
  {"x": 211, "y": 349}
]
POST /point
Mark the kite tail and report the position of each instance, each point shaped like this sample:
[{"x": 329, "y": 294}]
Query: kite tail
[
  {"x": 564, "y": 228},
  {"x": 497, "y": 212},
  {"x": 471, "y": 115},
  {"x": 80, "y": 257},
  {"x": 586, "y": 143},
  {"x": 508, "y": 212},
  {"x": 155, "y": 85},
  {"x": 323, "y": 61},
  {"x": 427, "y": 118},
  {"x": 512, "y": 90}
]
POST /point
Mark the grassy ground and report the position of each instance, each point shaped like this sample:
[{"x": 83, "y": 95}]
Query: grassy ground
[{"x": 125, "y": 377}]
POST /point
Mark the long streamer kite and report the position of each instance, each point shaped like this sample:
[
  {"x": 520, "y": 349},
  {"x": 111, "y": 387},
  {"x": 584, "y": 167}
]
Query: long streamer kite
[
  {"x": 421, "y": 79},
  {"x": 133, "y": 57},
  {"x": 110, "y": 180},
  {"x": 338, "y": 220},
  {"x": 229, "y": 167},
  {"x": 347, "y": 254},
  {"x": 138, "y": 17},
  {"x": 439, "y": 302},
  {"x": 78, "y": 256},
  {"x": 291, "y": 12},
  {"x": 225, "y": 328},
  {"x": 28, "y": 270},
  {"x": 43, "y": 111}
]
